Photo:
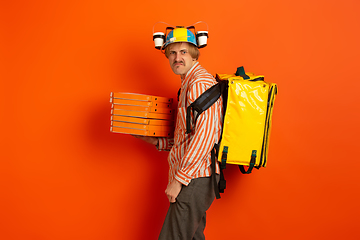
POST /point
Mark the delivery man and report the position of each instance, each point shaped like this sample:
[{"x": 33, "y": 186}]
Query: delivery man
[{"x": 190, "y": 190}]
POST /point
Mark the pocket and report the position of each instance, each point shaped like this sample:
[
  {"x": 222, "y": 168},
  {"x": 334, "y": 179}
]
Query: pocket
[{"x": 185, "y": 193}]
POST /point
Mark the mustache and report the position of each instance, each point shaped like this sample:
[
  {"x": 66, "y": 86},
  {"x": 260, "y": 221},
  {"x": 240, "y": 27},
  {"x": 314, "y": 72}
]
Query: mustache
[{"x": 175, "y": 62}]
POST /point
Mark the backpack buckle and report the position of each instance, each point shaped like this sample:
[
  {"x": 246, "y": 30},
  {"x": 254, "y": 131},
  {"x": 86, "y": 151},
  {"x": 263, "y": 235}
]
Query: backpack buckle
[{"x": 224, "y": 157}]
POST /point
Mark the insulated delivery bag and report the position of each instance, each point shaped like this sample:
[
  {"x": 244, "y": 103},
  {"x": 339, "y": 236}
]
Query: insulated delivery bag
[{"x": 248, "y": 104}]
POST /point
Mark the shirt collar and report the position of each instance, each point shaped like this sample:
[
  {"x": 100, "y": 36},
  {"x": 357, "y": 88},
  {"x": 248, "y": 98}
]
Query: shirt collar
[{"x": 189, "y": 72}]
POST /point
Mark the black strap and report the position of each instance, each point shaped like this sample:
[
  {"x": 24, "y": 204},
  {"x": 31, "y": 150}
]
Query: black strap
[
  {"x": 243, "y": 171},
  {"x": 203, "y": 102},
  {"x": 178, "y": 94},
  {"x": 257, "y": 79},
  {"x": 251, "y": 166},
  {"x": 213, "y": 174},
  {"x": 222, "y": 183},
  {"x": 188, "y": 113}
]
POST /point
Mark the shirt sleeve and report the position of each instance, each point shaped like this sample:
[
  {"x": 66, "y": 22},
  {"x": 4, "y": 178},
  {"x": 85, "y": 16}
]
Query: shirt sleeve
[
  {"x": 202, "y": 139},
  {"x": 165, "y": 144}
]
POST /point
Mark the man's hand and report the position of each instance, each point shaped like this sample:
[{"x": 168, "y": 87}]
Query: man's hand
[
  {"x": 173, "y": 190},
  {"x": 151, "y": 140}
]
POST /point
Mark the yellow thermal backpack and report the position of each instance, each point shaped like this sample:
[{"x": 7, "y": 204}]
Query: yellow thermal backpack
[{"x": 248, "y": 103}]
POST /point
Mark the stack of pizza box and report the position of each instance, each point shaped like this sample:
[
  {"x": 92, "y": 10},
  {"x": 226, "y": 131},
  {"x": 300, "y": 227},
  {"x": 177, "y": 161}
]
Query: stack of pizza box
[{"x": 140, "y": 114}]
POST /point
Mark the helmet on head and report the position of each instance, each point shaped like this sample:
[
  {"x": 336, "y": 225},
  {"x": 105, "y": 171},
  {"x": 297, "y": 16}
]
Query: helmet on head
[{"x": 180, "y": 34}]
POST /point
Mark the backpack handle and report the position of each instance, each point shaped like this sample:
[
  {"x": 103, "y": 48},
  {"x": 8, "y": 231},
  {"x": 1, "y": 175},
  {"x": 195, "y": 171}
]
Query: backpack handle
[{"x": 241, "y": 72}]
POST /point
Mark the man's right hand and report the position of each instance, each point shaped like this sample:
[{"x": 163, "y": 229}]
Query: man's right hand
[{"x": 151, "y": 140}]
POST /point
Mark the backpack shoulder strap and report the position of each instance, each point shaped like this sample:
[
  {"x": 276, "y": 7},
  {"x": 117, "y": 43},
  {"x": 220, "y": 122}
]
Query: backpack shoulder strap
[{"x": 203, "y": 102}]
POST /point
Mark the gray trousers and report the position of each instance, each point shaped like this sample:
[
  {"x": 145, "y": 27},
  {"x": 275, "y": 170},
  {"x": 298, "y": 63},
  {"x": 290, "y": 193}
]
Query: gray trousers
[{"x": 186, "y": 218}]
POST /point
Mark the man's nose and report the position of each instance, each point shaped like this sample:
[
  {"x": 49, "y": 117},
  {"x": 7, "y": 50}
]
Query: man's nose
[{"x": 177, "y": 57}]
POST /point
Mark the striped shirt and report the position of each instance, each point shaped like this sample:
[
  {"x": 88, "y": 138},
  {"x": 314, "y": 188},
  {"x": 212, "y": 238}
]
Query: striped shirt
[{"x": 190, "y": 154}]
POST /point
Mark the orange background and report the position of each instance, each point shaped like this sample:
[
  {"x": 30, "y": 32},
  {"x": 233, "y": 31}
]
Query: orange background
[{"x": 65, "y": 176}]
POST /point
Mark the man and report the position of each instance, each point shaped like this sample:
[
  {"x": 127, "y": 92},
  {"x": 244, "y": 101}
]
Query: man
[{"x": 190, "y": 190}]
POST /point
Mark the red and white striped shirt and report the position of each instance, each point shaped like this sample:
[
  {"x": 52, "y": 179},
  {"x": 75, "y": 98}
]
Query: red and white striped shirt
[{"x": 190, "y": 154}]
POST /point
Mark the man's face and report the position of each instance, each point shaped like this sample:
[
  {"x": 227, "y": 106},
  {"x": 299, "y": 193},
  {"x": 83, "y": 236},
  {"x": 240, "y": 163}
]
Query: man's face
[{"x": 179, "y": 58}]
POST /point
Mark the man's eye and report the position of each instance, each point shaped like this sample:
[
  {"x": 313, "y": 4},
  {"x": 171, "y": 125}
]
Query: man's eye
[{"x": 183, "y": 52}]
